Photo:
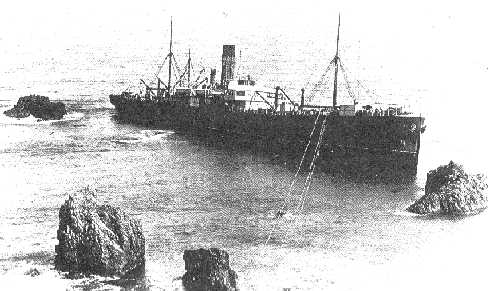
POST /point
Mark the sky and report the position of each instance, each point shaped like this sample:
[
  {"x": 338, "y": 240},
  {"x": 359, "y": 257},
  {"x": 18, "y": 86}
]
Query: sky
[{"x": 438, "y": 40}]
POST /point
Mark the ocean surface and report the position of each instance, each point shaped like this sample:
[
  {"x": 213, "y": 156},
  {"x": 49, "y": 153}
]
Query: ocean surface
[{"x": 350, "y": 235}]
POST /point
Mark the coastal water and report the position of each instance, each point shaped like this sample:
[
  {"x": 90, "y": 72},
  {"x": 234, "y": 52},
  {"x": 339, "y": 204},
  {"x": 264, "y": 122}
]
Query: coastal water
[{"x": 350, "y": 235}]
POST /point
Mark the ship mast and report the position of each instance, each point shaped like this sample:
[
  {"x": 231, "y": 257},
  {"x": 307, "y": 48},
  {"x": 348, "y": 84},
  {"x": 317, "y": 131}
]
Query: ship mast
[
  {"x": 170, "y": 59},
  {"x": 336, "y": 61},
  {"x": 189, "y": 68}
]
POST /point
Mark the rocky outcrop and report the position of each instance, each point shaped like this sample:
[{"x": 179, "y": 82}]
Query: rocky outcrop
[
  {"x": 208, "y": 270},
  {"x": 450, "y": 190},
  {"x": 38, "y": 106},
  {"x": 97, "y": 239}
]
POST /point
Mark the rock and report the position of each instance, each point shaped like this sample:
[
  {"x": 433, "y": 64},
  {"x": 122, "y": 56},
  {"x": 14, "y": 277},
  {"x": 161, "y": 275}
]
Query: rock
[
  {"x": 38, "y": 106},
  {"x": 450, "y": 190},
  {"x": 33, "y": 272},
  {"x": 98, "y": 239},
  {"x": 17, "y": 112},
  {"x": 208, "y": 270}
]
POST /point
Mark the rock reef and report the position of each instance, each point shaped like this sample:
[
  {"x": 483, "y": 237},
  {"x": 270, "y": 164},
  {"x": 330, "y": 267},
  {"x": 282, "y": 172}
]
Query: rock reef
[
  {"x": 38, "y": 106},
  {"x": 208, "y": 270},
  {"x": 450, "y": 190},
  {"x": 98, "y": 239}
]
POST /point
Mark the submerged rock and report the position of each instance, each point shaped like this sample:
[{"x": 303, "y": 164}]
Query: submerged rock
[
  {"x": 33, "y": 272},
  {"x": 38, "y": 106},
  {"x": 450, "y": 190},
  {"x": 208, "y": 270},
  {"x": 98, "y": 239}
]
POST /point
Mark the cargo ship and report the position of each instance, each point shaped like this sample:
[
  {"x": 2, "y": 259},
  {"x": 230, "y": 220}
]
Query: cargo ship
[{"x": 341, "y": 139}]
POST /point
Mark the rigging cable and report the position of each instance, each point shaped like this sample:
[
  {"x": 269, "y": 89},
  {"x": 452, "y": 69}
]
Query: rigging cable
[
  {"x": 181, "y": 76},
  {"x": 315, "y": 89},
  {"x": 313, "y": 165},
  {"x": 300, "y": 164},
  {"x": 348, "y": 86},
  {"x": 370, "y": 92},
  {"x": 199, "y": 76},
  {"x": 161, "y": 66},
  {"x": 282, "y": 208},
  {"x": 176, "y": 65},
  {"x": 376, "y": 97}
]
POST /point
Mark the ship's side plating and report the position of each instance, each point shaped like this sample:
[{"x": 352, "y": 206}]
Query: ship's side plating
[{"x": 385, "y": 146}]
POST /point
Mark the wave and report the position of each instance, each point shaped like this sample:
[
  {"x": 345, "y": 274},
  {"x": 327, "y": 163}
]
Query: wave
[
  {"x": 144, "y": 136},
  {"x": 107, "y": 105},
  {"x": 73, "y": 116},
  {"x": 404, "y": 213},
  {"x": 31, "y": 120},
  {"x": 155, "y": 134},
  {"x": 28, "y": 275}
]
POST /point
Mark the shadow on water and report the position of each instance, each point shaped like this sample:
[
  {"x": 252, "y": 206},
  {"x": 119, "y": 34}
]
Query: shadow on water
[
  {"x": 88, "y": 285},
  {"x": 41, "y": 258},
  {"x": 448, "y": 217},
  {"x": 134, "y": 280}
]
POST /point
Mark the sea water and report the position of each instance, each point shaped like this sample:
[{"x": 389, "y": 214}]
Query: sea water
[{"x": 349, "y": 235}]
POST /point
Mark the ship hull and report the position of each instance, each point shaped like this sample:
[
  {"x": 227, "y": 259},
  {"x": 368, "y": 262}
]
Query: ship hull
[{"x": 367, "y": 147}]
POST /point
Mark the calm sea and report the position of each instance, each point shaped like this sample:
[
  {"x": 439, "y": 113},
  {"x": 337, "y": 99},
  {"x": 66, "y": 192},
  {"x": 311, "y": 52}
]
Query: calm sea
[{"x": 350, "y": 236}]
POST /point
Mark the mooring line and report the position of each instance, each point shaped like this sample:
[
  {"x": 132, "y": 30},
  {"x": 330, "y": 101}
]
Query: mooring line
[
  {"x": 312, "y": 167},
  {"x": 282, "y": 208}
]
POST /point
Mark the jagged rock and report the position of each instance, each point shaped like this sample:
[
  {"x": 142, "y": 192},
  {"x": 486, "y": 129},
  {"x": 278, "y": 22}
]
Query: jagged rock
[
  {"x": 450, "y": 190},
  {"x": 38, "y": 106},
  {"x": 208, "y": 270},
  {"x": 97, "y": 239}
]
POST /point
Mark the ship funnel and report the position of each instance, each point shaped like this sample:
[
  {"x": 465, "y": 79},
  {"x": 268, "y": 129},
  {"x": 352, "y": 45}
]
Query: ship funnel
[{"x": 228, "y": 64}]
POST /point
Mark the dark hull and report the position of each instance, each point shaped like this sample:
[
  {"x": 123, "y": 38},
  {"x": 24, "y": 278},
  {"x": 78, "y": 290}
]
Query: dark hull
[{"x": 382, "y": 147}]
